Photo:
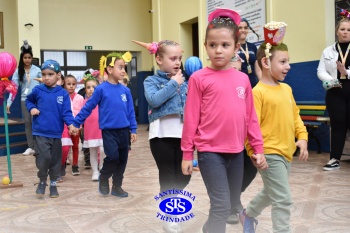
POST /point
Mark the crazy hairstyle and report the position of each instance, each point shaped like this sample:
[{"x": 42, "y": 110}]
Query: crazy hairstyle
[
  {"x": 222, "y": 22},
  {"x": 261, "y": 51}
]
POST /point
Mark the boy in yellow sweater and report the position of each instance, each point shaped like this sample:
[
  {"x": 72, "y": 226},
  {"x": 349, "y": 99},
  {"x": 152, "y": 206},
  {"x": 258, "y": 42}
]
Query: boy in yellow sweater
[{"x": 280, "y": 124}]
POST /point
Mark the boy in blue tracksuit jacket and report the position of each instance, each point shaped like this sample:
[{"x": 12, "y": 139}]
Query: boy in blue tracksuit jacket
[{"x": 50, "y": 106}]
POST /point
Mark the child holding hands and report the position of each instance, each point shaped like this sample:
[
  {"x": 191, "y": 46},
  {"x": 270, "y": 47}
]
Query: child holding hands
[
  {"x": 219, "y": 116},
  {"x": 116, "y": 118},
  {"x": 92, "y": 134},
  {"x": 280, "y": 124},
  {"x": 49, "y": 104}
]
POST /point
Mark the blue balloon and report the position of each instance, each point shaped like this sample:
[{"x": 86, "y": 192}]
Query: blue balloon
[
  {"x": 195, "y": 163},
  {"x": 192, "y": 64}
]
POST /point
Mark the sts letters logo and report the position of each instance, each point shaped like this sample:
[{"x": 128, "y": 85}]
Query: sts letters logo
[{"x": 175, "y": 205}]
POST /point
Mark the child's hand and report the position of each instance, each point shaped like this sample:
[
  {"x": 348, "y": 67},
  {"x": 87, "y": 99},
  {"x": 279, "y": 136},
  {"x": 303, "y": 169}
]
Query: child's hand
[
  {"x": 178, "y": 77},
  {"x": 38, "y": 79},
  {"x": 133, "y": 137},
  {"x": 72, "y": 130},
  {"x": 259, "y": 161},
  {"x": 34, "y": 111},
  {"x": 187, "y": 167},
  {"x": 304, "y": 154}
]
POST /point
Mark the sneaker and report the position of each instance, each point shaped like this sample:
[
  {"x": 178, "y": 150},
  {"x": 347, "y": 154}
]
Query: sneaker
[
  {"x": 332, "y": 164},
  {"x": 87, "y": 164},
  {"x": 249, "y": 224},
  {"x": 53, "y": 191},
  {"x": 29, "y": 151},
  {"x": 103, "y": 185},
  {"x": 40, "y": 190},
  {"x": 118, "y": 191},
  {"x": 75, "y": 170},
  {"x": 95, "y": 176},
  {"x": 232, "y": 219},
  {"x": 172, "y": 227}
]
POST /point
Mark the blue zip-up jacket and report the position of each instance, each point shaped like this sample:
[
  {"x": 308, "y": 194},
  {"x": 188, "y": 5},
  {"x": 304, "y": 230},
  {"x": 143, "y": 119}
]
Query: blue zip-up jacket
[
  {"x": 115, "y": 107},
  {"x": 55, "y": 109},
  {"x": 164, "y": 96}
]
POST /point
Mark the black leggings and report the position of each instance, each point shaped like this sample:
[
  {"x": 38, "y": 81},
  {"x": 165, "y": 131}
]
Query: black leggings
[
  {"x": 168, "y": 156},
  {"x": 338, "y": 106}
]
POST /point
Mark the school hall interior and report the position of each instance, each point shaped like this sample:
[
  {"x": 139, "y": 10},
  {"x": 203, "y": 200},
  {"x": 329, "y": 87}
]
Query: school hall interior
[{"x": 78, "y": 32}]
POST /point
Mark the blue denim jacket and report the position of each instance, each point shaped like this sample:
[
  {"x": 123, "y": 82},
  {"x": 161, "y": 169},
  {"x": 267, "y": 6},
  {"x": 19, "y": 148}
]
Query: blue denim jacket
[{"x": 164, "y": 96}]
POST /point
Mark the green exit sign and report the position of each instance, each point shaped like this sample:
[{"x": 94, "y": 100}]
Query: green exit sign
[{"x": 88, "y": 47}]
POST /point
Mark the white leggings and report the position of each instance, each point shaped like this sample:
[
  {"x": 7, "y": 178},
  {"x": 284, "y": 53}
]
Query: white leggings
[{"x": 95, "y": 166}]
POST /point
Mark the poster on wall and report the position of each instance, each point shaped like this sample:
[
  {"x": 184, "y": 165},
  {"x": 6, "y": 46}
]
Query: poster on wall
[{"x": 253, "y": 10}]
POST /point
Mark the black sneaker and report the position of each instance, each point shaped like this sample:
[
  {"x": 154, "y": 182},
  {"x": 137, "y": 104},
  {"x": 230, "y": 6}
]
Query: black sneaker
[
  {"x": 87, "y": 164},
  {"x": 332, "y": 164},
  {"x": 118, "y": 191},
  {"x": 54, "y": 192},
  {"x": 40, "y": 190},
  {"x": 75, "y": 170},
  {"x": 103, "y": 185}
]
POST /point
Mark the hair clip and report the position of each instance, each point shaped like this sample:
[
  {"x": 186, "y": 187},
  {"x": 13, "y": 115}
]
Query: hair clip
[{"x": 344, "y": 13}]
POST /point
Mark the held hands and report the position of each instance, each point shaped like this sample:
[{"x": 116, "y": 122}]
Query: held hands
[
  {"x": 34, "y": 111},
  {"x": 178, "y": 77},
  {"x": 187, "y": 167},
  {"x": 304, "y": 154},
  {"x": 72, "y": 130},
  {"x": 259, "y": 161},
  {"x": 133, "y": 137}
]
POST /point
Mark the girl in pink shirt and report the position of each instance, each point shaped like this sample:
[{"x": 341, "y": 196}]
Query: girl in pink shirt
[
  {"x": 92, "y": 132},
  {"x": 219, "y": 115},
  {"x": 77, "y": 101}
]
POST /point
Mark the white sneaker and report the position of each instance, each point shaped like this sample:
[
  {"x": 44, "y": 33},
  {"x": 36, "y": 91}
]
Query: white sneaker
[
  {"x": 95, "y": 176},
  {"x": 29, "y": 151},
  {"x": 172, "y": 227}
]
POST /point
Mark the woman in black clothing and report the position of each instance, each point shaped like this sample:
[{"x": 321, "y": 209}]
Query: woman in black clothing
[{"x": 334, "y": 71}]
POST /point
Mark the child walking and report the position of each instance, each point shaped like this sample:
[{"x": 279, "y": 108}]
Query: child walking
[
  {"x": 280, "y": 124},
  {"x": 49, "y": 104},
  {"x": 165, "y": 93},
  {"x": 115, "y": 122},
  {"x": 219, "y": 116},
  {"x": 92, "y": 133},
  {"x": 68, "y": 141}
]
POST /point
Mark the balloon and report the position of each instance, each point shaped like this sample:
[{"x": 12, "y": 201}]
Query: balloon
[{"x": 8, "y": 64}]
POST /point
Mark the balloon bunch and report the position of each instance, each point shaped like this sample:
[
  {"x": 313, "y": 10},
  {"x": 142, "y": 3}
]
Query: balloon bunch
[{"x": 8, "y": 66}]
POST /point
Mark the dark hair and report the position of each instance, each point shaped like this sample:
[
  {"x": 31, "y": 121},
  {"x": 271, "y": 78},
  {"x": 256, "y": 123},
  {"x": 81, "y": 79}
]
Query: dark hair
[
  {"x": 246, "y": 21},
  {"x": 21, "y": 70},
  {"x": 222, "y": 22},
  {"x": 261, "y": 51},
  {"x": 62, "y": 79}
]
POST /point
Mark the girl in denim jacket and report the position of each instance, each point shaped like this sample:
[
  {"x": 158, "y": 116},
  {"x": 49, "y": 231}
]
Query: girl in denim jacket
[{"x": 166, "y": 95}]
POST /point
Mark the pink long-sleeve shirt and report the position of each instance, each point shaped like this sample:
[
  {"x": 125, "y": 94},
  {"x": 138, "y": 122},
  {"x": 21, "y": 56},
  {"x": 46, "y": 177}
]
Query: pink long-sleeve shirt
[{"x": 219, "y": 114}]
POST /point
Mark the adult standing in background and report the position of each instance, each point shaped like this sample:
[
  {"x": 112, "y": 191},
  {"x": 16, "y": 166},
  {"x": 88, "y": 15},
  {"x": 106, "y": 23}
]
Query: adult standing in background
[
  {"x": 24, "y": 77},
  {"x": 247, "y": 53},
  {"x": 334, "y": 71}
]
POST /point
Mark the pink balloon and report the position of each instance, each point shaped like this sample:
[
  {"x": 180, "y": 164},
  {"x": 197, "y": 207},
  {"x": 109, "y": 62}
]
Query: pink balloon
[{"x": 8, "y": 64}]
